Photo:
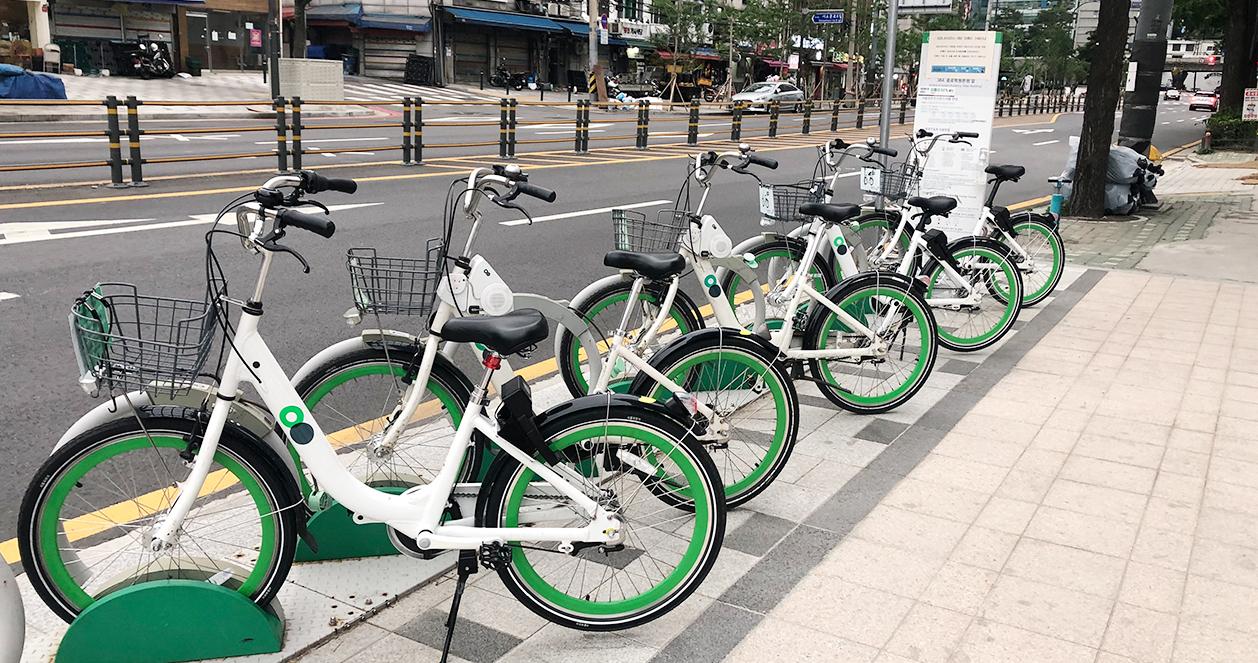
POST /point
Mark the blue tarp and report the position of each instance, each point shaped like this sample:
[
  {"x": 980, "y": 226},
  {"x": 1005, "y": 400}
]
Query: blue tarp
[
  {"x": 503, "y": 19},
  {"x": 17, "y": 83}
]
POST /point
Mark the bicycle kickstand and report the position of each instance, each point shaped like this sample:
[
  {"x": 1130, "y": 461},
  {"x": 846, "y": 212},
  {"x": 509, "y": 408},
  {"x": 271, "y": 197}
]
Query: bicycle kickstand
[{"x": 467, "y": 566}]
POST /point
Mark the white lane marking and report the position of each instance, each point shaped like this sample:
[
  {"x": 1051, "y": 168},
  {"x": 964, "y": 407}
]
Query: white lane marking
[
  {"x": 69, "y": 141},
  {"x": 1045, "y": 142},
  {"x": 1179, "y": 120},
  {"x": 193, "y": 219},
  {"x": 1032, "y": 131},
  {"x": 570, "y": 132},
  {"x": 460, "y": 118},
  {"x": 681, "y": 133},
  {"x": 4, "y": 296},
  {"x": 586, "y": 212},
  {"x": 322, "y": 140},
  {"x": 43, "y": 230}
]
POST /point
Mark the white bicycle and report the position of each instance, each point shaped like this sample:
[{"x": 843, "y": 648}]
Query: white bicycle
[{"x": 601, "y": 513}]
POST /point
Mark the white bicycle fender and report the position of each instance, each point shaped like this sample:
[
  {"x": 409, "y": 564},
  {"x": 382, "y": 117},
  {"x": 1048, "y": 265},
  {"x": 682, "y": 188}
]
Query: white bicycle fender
[
  {"x": 12, "y": 617},
  {"x": 367, "y": 338}
]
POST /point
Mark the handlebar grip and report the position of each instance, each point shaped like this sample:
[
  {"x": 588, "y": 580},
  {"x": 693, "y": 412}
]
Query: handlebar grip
[
  {"x": 966, "y": 134},
  {"x": 317, "y": 224},
  {"x": 316, "y": 183},
  {"x": 771, "y": 164},
  {"x": 887, "y": 151},
  {"x": 922, "y": 133},
  {"x": 539, "y": 192},
  {"x": 838, "y": 144}
]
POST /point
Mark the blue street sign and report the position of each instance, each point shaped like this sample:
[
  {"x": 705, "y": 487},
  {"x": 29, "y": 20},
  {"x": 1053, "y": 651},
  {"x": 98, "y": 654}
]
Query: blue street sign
[{"x": 827, "y": 17}]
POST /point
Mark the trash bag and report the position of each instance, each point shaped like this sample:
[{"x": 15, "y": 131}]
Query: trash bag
[{"x": 1121, "y": 171}]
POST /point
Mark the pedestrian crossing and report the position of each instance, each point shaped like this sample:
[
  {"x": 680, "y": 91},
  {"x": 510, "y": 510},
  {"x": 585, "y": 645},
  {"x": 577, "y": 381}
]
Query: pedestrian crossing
[{"x": 380, "y": 90}]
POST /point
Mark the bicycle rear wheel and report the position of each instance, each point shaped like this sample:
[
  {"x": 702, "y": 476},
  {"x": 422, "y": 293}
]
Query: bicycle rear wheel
[
  {"x": 673, "y": 529},
  {"x": 986, "y": 268},
  {"x": 1045, "y": 258},
  {"x": 85, "y": 520},
  {"x": 776, "y": 260}
]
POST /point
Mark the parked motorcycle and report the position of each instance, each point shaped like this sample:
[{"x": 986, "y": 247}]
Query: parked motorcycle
[
  {"x": 502, "y": 77},
  {"x": 150, "y": 60}
]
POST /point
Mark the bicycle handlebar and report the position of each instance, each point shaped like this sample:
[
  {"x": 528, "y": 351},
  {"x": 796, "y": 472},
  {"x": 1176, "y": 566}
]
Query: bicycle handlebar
[
  {"x": 313, "y": 182},
  {"x": 539, "y": 192},
  {"x": 319, "y": 225},
  {"x": 771, "y": 164}
]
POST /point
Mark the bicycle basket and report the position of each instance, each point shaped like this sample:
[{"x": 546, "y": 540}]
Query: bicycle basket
[
  {"x": 894, "y": 182},
  {"x": 125, "y": 340},
  {"x": 396, "y": 286},
  {"x": 781, "y": 202},
  {"x": 631, "y": 231}
]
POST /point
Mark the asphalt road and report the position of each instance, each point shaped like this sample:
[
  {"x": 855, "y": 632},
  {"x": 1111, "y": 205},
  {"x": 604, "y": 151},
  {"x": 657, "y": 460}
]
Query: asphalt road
[{"x": 58, "y": 242}]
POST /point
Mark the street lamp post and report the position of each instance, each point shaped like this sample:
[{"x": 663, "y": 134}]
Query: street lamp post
[
  {"x": 888, "y": 68},
  {"x": 273, "y": 45}
]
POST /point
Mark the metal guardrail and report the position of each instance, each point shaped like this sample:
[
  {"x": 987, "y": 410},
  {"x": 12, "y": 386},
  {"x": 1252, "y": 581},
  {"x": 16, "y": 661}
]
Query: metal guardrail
[{"x": 126, "y": 163}]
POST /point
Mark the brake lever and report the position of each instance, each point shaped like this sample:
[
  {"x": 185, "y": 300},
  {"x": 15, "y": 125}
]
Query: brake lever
[
  {"x": 315, "y": 203},
  {"x": 272, "y": 245}
]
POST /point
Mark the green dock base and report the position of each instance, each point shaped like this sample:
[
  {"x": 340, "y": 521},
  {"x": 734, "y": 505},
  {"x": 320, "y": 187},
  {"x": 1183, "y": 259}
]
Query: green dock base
[
  {"x": 339, "y": 537},
  {"x": 164, "y": 621}
]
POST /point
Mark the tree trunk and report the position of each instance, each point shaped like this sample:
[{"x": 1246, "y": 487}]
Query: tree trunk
[
  {"x": 298, "y": 44},
  {"x": 1238, "y": 62},
  {"x": 1105, "y": 75}
]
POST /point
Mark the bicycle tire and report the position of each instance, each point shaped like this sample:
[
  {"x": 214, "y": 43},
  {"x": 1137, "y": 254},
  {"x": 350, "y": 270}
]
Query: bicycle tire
[
  {"x": 1049, "y": 233},
  {"x": 768, "y": 255},
  {"x": 979, "y": 336},
  {"x": 257, "y": 473},
  {"x": 684, "y": 314},
  {"x": 707, "y": 362},
  {"x": 644, "y": 427}
]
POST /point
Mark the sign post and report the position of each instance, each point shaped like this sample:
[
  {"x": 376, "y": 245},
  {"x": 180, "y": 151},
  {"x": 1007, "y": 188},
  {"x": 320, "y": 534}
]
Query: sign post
[
  {"x": 1249, "y": 107},
  {"x": 957, "y": 92}
]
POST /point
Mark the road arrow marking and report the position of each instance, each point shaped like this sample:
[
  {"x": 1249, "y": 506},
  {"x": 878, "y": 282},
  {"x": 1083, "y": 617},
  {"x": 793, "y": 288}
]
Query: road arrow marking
[
  {"x": 192, "y": 220},
  {"x": 1045, "y": 142},
  {"x": 5, "y": 296},
  {"x": 1032, "y": 131}
]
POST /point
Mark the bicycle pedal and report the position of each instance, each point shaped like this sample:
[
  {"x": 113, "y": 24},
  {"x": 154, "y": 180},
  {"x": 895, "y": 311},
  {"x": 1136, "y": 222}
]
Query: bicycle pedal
[{"x": 494, "y": 556}]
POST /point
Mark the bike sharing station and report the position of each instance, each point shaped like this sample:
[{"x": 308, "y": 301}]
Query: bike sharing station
[{"x": 346, "y": 570}]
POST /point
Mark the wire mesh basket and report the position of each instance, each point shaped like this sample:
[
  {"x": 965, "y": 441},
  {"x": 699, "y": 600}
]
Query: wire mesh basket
[
  {"x": 892, "y": 183},
  {"x": 396, "y": 286},
  {"x": 631, "y": 231},
  {"x": 780, "y": 203},
  {"x": 126, "y": 340}
]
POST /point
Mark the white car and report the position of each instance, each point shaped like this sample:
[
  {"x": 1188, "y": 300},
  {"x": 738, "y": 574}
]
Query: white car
[
  {"x": 786, "y": 94},
  {"x": 1171, "y": 94}
]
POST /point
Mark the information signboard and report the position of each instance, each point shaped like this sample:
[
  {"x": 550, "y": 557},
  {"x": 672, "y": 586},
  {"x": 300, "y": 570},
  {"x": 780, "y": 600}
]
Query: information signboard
[
  {"x": 956, "y": 91},
  {"x": 1249, "y": 108},
  {"x": 925, "y": 7}
]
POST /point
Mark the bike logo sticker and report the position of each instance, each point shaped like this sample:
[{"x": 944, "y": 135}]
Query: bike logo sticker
[
  {"x": 292, "y": 418},
  {"x": 713, "y": 289},
  {"x": 840, "y": 247}
]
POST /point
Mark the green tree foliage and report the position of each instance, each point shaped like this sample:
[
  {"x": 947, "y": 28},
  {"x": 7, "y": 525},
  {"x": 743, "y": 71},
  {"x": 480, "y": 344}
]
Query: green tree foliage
[
  {"x": 1043, "y": 47},
  {"x": 1198, "y": 19}
]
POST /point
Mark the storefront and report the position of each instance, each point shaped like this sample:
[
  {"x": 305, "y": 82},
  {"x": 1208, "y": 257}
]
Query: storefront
[
  {"x": 222, "y": 35},
  {"x": 479, "y": 41},
  {"x": 96, "y": 35},
  {"x": 369, "y": 44}
]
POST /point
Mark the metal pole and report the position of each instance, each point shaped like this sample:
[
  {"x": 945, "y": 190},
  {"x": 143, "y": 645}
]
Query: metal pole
[
  {"x": 888, "y": 70},
  {"x": 417, "y": 130},
  {"x": 273, "y": 45},
  {"x": 511, "y": 129},
  {"x": 860, "y": 115},
  {"x": 834, "y": 115},
  {"x": 692, "y": 129},
  {"x": 133, "y": 137},
  {"x": 807, "y": 118},
  {"x": 114, "y": 135},
  {"x": 281, "y": 136},
  {"x": 296, "y": 144},
  {"x": 592, "y": 10},
  {"x": 774, "y": 109},
  {"x": 406, "y": 132},
  {"x": 502, "y": 128},
  {"x": 576, "y": 126},
  {"x": 736, "y": 124}
]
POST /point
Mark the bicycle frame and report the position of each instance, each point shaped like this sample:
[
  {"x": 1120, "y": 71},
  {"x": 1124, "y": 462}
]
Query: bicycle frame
[{"x": 416, "y": 513}]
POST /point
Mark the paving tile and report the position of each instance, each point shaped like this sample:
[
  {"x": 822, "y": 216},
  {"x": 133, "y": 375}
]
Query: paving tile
[
  {"x": 882, "y": 431},
  {"x": 825, "y": 476},
  {"x": 1228, "y": 526},
  {"x": 1231, "y": 470},
  {"x": 789, "y": 501},
  {"x": 844, "y": 609},
  {"x": 959, "y": 587},
  {"x": 929, "y": 634},
  {"x": 717, "y": 631},
  {"x": 1231, "y": 497},
  {"x": 1040, "y": 461},
  {"x": 556, "y": 644},
  {"x": 1048, "y": 610},
  {"x": 1140, "y": 633},
  {"x": 473, "y": 641},
  {"x": 996, "y": 428},
  {"x": 1119, "y": 451},
  {"x": 1025, "y": 486},
  {"x": 914, "y": 532},
  {"x": 1153, "y": 587},
  {"x": 1199, "y": 441},
  {"x": 1160, "y": 547},
  {"x": 985, "y": 548},
  {"x": 345, "y": 644},
  {"x": 1224, "y": 562},
  {"x": 1095, "y": 500},
  {"x": 1144, "y": 432},
  {"x": 1020, "y": 412},
  {"x": 1102, "y": 535},
  {"x": 1062, "y": 566},
  {"x": 659, "y": 633},
  {"x": 1226, "y": 604},
  {"x": 979, "y": 450},
  {"x": 880, "y": 567},
  {"x": 959, "y": 473},
  {"x": 1055, "y": 439},
  {"x": 778, "y": 639},
  {"x": 758, "y": 534},
  {"x": 759, "y": 585},
  {"x": 1097, "y": 472},
  {"x": 957, "y": 367},
  {"x": 1182, "y": 461},
  {"x": 992, "y": 642},
  {"x": 1202, "y": 641},
  {"x": 1006, "y": 515},
  {"x": 397, "y": 649},
  {"x": 935, "y": 500},
  {"x": 1179, "y": 487}
]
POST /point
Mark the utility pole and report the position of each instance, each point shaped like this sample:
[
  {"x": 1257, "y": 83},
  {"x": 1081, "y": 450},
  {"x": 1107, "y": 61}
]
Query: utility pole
[
  {"x": 991, "y": 13},
  {"x": 273, "y": 45},
  {"x": 1148, "y": 51},
  {"x": 851, "y": 47},
  {"x": 595, "y": 70},
  {"x": 888, "y": 73}
]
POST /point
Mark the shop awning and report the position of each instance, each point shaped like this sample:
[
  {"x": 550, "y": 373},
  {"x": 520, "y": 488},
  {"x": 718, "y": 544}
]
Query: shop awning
[
  {"x": 697, "y": 55},
  {"x": 352, "y": 14},
  {"x": 164, "y": 2},
  {"x": 580, "y": 29},
  {"x": 503, "y": 19}
]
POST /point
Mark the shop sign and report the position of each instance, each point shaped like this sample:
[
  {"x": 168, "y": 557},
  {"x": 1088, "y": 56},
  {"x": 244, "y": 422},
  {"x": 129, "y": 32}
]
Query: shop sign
[
  {"x": 633, "y": 29},
  {"x": 255, "y": 38}
]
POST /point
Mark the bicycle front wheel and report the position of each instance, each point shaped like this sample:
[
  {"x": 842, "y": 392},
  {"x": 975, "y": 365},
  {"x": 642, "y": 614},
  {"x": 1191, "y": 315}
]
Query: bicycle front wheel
[
  {"x": 990, "y": 279},
  {"x": 756, "y": 408},
  {"x": 85, "y": 522},
  {"x": 1045, "y": 258},
  {"x": 604, "y": 311},
  {"x": 662, "y": 485},
  {"x": 860, "y": 379}
]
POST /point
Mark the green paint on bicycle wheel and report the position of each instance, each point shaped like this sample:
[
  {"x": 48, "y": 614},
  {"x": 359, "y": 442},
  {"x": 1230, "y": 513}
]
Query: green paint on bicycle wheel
[{"x": 863, "y": 301}]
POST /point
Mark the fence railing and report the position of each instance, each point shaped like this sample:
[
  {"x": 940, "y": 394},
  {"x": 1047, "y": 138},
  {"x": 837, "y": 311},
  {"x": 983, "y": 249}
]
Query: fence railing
[{"x": 418, "y": 137}]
